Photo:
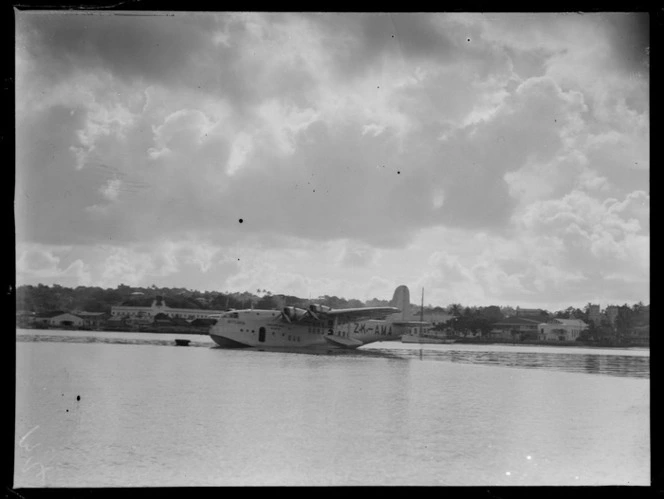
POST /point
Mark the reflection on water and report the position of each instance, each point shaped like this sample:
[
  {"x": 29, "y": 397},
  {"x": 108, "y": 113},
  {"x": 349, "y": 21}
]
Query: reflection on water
[
  {"x": 92, "y": 411},
  {"x": 609, "y": 363},
  {"x": 636, "y": 366}
]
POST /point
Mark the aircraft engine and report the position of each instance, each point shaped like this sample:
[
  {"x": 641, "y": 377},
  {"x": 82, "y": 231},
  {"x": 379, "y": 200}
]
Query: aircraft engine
[
  {"x": 294, "y": 313},
  {"x": 319, "y": 308}
]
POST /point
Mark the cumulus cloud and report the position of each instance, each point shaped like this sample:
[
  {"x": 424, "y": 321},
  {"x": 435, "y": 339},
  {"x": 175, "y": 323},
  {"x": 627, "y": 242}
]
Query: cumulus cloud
[
  {"x": 44, "y": 263},
  {"x": 364, "y": 137}
]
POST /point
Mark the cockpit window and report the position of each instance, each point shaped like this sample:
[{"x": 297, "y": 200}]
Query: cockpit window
[{"x": 231, "y": 315}]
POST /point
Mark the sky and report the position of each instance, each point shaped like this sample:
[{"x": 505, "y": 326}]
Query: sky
[{"x": 488, "y": 159}]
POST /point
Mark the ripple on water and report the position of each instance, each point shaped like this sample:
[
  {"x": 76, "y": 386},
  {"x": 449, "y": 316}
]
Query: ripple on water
[{"x": 634, "y": 366}]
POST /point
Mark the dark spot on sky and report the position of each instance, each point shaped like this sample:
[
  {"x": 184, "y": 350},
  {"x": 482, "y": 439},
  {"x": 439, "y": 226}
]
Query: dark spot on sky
[
  {"x": 240, "y": 220},
  {"x": 468, "y": 39},
  {"x": 67, "y": 410},
  {"x": 78, "y": 397},
  {"x": 398, "y": 173}
]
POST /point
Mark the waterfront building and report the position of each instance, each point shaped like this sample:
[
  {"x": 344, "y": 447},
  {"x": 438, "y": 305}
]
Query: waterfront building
[
  {"x": 138, "y": 314},
  {"x": 43, "y": 319},
  {"x": 92, "y": 320},
  {"x": 514, "y": 328},
  {"x": 561, "y": 329},
  {"x": 66, "y": 319}
]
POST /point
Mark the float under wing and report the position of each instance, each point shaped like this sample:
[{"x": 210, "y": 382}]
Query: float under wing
[{"x": 344, "y": 342}]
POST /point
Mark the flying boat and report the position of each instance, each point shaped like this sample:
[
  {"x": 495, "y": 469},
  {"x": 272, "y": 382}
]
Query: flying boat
[{"x": 316, "y": 326}]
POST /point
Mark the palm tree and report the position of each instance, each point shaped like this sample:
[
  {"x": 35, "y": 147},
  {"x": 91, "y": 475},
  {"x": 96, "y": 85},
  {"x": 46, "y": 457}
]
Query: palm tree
[{"x": 456, "y": 309}]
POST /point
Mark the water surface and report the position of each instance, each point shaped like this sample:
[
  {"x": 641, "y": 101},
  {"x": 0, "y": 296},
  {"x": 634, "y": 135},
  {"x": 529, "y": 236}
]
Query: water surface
[{"x": 132, "y": 409}]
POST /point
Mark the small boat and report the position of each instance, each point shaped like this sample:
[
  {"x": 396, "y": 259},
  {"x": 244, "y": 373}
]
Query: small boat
[{"x": 182, "y": 343}]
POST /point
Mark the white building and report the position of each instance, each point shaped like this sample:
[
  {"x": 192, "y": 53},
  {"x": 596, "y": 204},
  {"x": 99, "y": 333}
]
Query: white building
[
  {"x": 146, "y": 314},
  {"x": 561, "y": 329},
  {"x": 66, "y": 320}
]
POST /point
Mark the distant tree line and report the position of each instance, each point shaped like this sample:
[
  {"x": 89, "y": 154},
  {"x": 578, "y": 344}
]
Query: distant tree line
[
  {"x": 475, "y": 320},
  {"x": 42, "y": 298}
]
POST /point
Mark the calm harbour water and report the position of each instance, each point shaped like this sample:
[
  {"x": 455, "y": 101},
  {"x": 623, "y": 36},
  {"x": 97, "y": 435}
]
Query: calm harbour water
[{"x": 153, "y": 414}]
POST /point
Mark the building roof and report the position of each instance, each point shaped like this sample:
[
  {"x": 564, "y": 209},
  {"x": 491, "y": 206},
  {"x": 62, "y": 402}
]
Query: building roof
[
  {"x": 65, "y": 314},
  {"x": 509, "y": 321},
  {"x": 568, "y": 322},
  {"x": 48, "y": 315}
]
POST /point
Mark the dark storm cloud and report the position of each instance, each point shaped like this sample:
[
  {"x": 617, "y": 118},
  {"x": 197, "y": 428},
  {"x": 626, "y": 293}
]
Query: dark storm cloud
[
  {"x": 629, "y": 36},
  {"x": 155, "y": 47},
  {"x": 172, "y": 50},
  {"x": 359, "y": 42}
]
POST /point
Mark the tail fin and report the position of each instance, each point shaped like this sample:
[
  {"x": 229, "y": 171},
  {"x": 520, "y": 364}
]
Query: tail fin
[{"x": 401, "y": 300}]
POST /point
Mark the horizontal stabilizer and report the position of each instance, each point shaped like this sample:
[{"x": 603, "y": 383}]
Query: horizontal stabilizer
[{"x": 343, "y": 342}]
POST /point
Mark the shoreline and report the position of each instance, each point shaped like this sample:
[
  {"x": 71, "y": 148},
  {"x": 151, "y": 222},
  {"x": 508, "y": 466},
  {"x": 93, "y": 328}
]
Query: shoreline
[{"x": 466, "y": 341}]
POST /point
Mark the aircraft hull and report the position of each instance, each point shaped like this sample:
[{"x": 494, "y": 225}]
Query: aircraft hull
[
  {"x": 291, "y": 336},
  {"x": 426, "y": 339},
  {"x": 227, "y": 342},
  {"x": 275, "y": 336}
]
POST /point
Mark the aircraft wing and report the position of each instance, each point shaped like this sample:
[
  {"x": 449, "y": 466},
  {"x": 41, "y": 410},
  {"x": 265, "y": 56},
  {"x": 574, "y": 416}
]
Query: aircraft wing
[
  {"x": 321, "y": 312},
  {"x": 360, "y": 314},
  {"x": 411, "y": 323}
]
